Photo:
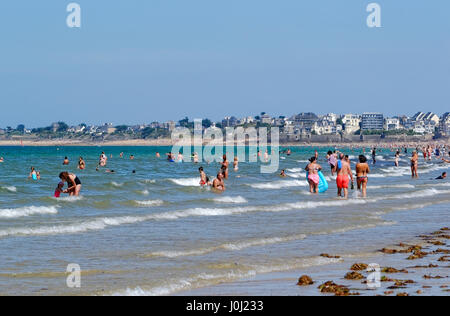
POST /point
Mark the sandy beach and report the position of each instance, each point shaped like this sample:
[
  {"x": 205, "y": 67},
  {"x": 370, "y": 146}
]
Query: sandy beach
[{"x": 418, "y": 267}]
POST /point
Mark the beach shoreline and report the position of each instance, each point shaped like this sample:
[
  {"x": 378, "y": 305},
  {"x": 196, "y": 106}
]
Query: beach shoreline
[
  {"x": 169, "y": 142},
  {"x": 425, "y": 275}
]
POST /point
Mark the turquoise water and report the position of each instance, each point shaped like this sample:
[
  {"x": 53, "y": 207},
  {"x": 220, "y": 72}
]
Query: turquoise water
[{"x": 156, "y": 232}]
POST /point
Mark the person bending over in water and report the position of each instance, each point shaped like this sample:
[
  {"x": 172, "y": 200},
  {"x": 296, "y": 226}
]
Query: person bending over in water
[
  {"x": 415, "y": 164},
  {"x": 66, "y": 161},
  {"x": 218, "y": 183},
  {"x": 362, "y": 171},
  {"x": 313, "y": 169},
  {"x": 81, "y": 164},
  {"x": 73, "y": 183},
  {"x": 343, "y": 174},
  {"x": 283, "y": 173}
]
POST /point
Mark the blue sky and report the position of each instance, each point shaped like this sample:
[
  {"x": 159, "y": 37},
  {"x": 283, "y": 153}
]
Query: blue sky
[{"x": 137, "y": 61}]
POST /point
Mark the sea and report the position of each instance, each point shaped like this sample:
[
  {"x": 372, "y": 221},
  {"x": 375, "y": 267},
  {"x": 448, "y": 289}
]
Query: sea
[{"x": 155, "y": 231}]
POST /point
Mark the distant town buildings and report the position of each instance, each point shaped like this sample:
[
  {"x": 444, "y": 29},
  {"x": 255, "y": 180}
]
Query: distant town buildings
[
  {"x": 297, "y": 127},
  {"x": 372, "y": 122}
]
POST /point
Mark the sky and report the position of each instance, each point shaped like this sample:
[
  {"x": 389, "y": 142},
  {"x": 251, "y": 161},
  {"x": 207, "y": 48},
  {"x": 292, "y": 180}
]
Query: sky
[{"x": 139, "y": 61}]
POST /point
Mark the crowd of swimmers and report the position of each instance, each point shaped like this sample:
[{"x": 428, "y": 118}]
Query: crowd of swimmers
[
  {"x": 339, "y": 163},
  {"x": 218, "y": 184}
]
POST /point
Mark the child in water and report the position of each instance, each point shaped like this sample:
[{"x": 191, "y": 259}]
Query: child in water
[{"x": 59, "y": 189}]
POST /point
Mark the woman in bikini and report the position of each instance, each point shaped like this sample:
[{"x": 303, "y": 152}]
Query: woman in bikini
[
  {"x": 313, "y": 169},
  {"x": 397, "y": 158},
  {"x": 362, "y": 171},
  {"x": 81, "y": 164},
  {"x": 73, "y": 183},
  {"x": 415, "y": 164}
]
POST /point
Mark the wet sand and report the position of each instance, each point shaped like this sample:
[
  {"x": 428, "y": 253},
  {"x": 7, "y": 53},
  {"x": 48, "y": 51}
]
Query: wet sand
[{"x": 419, "y": 267}]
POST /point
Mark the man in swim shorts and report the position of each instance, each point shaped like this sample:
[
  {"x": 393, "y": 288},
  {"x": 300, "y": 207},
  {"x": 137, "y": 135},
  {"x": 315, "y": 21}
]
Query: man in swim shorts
[
  {"x": 342, "y": 180},
  {"x": 218, "y": 183}
]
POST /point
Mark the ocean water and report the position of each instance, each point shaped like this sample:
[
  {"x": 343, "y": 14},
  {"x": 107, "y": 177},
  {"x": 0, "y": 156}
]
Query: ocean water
[{"x": 156, "y": 232}]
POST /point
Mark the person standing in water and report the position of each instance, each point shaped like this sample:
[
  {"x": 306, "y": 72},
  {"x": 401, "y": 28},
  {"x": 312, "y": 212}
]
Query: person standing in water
[
  {"x": 313, "y": 169},
  {"x": 225, "y": 166},
  {"x": 415, "y": 164},
  {"x": 236, "y": 163},
  {"x": 34, "y": 174},
  {"x": 66, "y": 161},
  {"x": 204, "y": 180},
  {"x": 218, "y": 183},
  {"x": 397, "y": 158},
  {"x": 362, "y": 171},
  {"x": 81, "y": 164},
  {"x": 342, "y": 180},
  {"x": 332, "y": 161},
  {"x": 374, "y": 155},
  {"x": 73, "y": 183}
]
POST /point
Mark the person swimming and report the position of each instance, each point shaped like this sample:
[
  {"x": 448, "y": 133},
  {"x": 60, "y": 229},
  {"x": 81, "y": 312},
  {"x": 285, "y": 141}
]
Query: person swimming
[{"x": 442, "y": 177}]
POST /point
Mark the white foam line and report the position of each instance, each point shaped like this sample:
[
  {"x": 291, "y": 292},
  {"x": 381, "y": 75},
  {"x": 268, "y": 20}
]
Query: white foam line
[
  {"x": 204, "y": 279},
  {"x": 150, "y": 203},
  {"x": 102, "y": 223},
  {"x": 278, "y": 185},
  {"x": 27, "y": 211},
  {"x": 231, "y": 246},
  {"x": 9, "y": 188},
  {"x": 231, "y": 200}
]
